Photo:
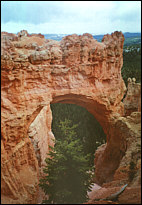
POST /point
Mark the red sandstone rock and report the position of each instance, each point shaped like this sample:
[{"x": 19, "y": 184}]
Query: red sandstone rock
[
  {"x": 132, "y": 195},
  {"x": 132, "y": 101},
  {"x": 36, "y": 72},
  {"x": 125, "y": 136},
  {"x": 40, "y": 134},
  {"x": 22, "y": 33},
  {"x": 131, "y": 126},
  {"x": 38, "y": 35},
  {"x": 10, "y": 36}
]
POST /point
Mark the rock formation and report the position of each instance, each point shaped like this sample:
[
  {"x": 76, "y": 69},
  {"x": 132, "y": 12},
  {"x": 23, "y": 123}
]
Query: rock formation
[
  {"x": 132, "y": 101},
  {"x": 37, "y": 72},
  {"x": 40, "y": 134},
  {"x": 127, "y": 132}
]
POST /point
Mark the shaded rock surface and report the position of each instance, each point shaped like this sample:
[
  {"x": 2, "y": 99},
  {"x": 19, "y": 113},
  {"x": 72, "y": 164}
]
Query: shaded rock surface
[
  {"x": 129, "y": 133},
  {"x": 131, "y": 195},
  {"x": 132, "y": 101}
]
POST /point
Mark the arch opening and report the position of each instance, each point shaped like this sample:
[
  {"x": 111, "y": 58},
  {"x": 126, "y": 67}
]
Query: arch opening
[
  {"x": 41, "y": 131},
  {"x": 89, "y": 131},
  {"x": 99, "y": 111}
]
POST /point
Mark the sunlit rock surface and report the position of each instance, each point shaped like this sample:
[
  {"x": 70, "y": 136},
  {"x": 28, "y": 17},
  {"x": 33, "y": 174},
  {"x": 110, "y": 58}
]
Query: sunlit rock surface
[{"x": 36, "y": 72}]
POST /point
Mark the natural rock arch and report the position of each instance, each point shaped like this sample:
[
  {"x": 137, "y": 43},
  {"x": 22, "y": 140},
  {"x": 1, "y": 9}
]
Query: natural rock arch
[{"x": 37, "y": 72}]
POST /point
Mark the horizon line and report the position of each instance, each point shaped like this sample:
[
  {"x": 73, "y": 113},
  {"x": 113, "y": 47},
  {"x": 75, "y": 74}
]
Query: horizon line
[{"x": 71, "y": 33}]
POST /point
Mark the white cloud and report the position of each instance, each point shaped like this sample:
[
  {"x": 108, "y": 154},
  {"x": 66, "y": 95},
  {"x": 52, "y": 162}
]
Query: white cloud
[{"x": 74, "y": 17}]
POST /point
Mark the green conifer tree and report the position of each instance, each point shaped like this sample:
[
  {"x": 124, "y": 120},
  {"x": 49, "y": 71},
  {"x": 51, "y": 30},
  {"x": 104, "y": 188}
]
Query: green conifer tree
[{"x": 67, "y": 173}]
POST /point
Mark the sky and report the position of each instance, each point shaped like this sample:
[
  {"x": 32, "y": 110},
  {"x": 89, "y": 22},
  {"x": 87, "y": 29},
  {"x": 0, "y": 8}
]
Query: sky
[{"x": 68, "y": 17}]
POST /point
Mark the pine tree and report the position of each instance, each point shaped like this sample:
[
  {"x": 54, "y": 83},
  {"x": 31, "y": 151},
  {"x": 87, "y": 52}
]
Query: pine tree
[
  {"x": 89, "y": 131},
  {"x": 67, "y": 173}
]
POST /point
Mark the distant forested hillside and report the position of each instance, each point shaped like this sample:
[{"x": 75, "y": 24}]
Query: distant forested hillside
[
  {"x": 130, "y": 38},
  {"x": 131, "y": 62}
]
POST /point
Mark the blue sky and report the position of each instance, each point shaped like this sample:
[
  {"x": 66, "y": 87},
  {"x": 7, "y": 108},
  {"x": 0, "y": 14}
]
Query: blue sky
[{"x": 67, "y": 17}]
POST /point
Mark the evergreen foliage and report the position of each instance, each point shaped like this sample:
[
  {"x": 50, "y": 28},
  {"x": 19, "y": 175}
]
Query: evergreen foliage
[
  {"x": 88, "y": 130},
  {"x": 67, "y": 173},
  {"x": 131, "y": 63}
]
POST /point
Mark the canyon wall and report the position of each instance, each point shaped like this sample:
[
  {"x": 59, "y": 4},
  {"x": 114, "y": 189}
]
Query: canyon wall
[{"x": 36, "y": 72}]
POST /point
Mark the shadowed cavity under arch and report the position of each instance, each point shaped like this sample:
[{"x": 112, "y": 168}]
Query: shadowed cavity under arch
[{"x": 89, "y": 131}]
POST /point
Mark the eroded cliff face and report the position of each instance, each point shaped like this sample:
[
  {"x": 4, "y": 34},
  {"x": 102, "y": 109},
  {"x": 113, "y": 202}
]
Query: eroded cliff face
[
  {"x": 40, "y": 134},
  {"x": 126, "y": 131},
  {"x": 36, "y": 72}
]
